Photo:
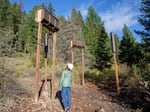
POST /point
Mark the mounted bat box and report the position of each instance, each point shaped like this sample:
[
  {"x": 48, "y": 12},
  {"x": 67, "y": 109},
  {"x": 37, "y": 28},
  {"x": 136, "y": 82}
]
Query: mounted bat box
[{"x": 48, "y": 20}]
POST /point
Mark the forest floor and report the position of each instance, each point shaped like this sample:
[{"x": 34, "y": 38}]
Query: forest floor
[{"x": 17, "y": 95}]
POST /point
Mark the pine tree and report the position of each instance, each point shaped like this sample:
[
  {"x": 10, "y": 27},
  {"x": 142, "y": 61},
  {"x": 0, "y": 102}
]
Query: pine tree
[
  {"x": 6, "y": 28},
  {"x": 73, "y": 16},
  {"x": 80, "y": 19},
  {"x": 50, "y": 9},
  {"x": 43, "y": 5},
  {"x": 62, "y": 21},
  {"x": 97, "y": 41},
  {"x": 16, "y": 23},
  {"x": 144, "y": 20},
  {"x": 4, "y": 14},
  {"x": 128, "y": 48},
  {"x": 80, "y": 24},
  {"x": 28, "y": 32}
]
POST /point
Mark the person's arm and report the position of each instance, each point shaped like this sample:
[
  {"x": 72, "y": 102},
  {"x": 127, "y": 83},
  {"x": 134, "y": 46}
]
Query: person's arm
[{"x": 62, "y": 79}]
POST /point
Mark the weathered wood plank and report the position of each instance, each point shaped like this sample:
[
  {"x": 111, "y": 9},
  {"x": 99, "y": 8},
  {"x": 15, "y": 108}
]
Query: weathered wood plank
[{"x": 75, "y": 43}]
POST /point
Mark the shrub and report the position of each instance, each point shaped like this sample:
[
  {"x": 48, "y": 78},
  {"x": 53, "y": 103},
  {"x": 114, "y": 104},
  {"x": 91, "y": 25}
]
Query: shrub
[
  {"x": 133, "y": 81},
  {"x": 77, "y": 73},
  {"x": 145, "y": 74},
  {"x": 92, "y": 75},
  {"x": 33, "y": 60},
  {"x": 97, "y": 75},
  {"x": 18, "y": 55},
  {"x": 123, "y": 70}
]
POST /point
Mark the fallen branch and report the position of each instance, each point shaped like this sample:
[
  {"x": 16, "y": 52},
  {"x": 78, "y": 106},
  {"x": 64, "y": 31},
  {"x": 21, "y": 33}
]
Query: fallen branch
[{"x": 5, "y": 107}]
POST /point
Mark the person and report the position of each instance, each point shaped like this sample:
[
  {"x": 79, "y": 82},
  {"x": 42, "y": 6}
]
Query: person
[{"x": 65, "y": 85}]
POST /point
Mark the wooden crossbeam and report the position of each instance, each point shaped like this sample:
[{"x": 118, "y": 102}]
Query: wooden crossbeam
[{"x": 76, "y": 43}]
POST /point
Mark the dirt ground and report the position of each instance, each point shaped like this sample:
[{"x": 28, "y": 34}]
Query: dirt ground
[
  {"x": 19, "y": 97},
  {"x": 17, "y": 93}
]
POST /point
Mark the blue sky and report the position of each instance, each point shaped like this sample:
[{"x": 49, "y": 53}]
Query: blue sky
[{"x": 114, "y": 13}]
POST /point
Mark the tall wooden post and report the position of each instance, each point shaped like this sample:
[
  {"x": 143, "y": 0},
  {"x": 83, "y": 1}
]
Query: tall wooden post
[
  {"x": 72, "y": 56},
  {"x": 82, "y": 66},
  {"x": 116, "y": 71},
  {"x": 54, "y": 64},
  {"x": 115, "y": 62},
  {"x": 45, "y": 60},
  {"x": 38, "y": 62},
  {"x": 51, "y": 23},
  {"x": 45, "y": 72}
]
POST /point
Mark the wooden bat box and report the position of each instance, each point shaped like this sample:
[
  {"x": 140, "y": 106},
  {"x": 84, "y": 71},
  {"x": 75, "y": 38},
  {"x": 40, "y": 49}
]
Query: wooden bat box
[
  {"x": 47, "y": 19},
  {"x": 75, "y": 43}
]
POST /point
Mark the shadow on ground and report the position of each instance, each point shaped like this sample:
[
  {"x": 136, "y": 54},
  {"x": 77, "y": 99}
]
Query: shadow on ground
[{"x": 130, "y": 97}]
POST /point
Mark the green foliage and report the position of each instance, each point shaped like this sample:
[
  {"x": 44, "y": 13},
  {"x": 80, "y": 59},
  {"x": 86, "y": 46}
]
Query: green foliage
[
  {"x": 145, "y": 51},
  {"x": 133, "y": 80},
  {"x": 33, "y": 59},
  {"x": 59, "y": 68},
  {"x": 73, "y": 16},
  {"x": 62, "y": 21},
  {"x": 6, "y": 42},
  {"x": 97, "y": 75},
  {"x": 18, "y": 74},
  {"x": 43, "y": 5},
  {"x": 77, "y": 73},
  {"x": 108, "y": 74},
  {"x": 6, "y": 33},
  {"x": 128, "y": 48},
  {"x": 103, "y": 51},
  {"x": 50, "y": 8},
  {"x": 28, "y": 33},
  {"x": 144, "y": 72},
  {"x": 96, "y": 40},
  {"x": 9, "y": 28},
  {"x": 80, "y": 19},
  {"x": 92, "y": 75},
  {"x": 123, "y": 70},
  {"x": 16, "y": 14},
  {"x": 18, "y": 55},
  {"x": 4, "y": 13},
  {"x": 144, "y": 19}
]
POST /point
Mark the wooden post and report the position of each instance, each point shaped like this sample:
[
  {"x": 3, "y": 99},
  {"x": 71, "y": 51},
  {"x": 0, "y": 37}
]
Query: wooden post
[
  {"x": 38, "y": 62},
  {"x": 116, "y": 71},
  {"x": 51, "y": 23},
  {"x": 45, "y": 60},
  {"x": 45, "y": 72},
  {"x": 115, "y": 62},
  {"x": 72, "y": 56},
  {"x": 54, "y": 63},
  {"x": 77, "y": 44},
  {"x": 82, "y": 66}
]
